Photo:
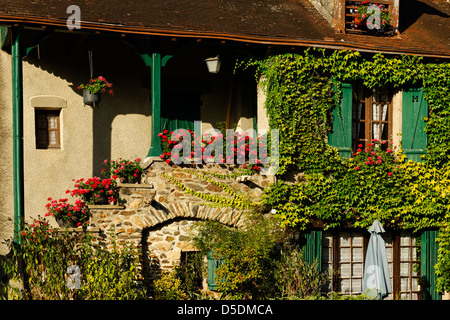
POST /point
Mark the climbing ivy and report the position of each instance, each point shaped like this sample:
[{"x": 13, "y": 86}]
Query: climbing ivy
[{"x": 301, "y": 92}]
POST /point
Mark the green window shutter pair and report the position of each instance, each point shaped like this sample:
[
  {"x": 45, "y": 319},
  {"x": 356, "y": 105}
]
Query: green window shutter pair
[
  {"x": 414, "y": 138},
  {"x": 428, "y": 259},
  {"x": 213, "y": 265}
]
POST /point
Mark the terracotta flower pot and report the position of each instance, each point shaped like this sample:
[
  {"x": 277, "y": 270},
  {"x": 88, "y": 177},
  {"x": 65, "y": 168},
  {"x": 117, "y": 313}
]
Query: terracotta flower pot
[{"x": 359, "y": 23}]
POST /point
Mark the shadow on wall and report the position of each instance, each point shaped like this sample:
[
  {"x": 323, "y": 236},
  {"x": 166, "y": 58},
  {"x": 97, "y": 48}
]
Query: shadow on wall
[{"x": 66, "y": 57}]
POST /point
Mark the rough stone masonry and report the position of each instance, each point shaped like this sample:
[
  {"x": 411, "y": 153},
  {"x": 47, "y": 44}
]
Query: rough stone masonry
[{"x": 158, "y": 216}]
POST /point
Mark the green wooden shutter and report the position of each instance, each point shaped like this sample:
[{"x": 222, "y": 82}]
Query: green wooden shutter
[
  {"x": 341, "y": 136},
  {"x": 213, "y": 265},
  {"x": 312, "y": 248},
  {"x": 428, "y": 259},
  {"x": 414, "y": 138}
]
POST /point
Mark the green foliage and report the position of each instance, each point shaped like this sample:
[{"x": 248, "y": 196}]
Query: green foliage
[
  {"x": 235, "y": 199},
  {"x": 400, "y": 194},
  {"x": 301, "y": 92},
  {"x": 443, "y": 265},
  {"x": 299, "y": 101},
  {"x": 436, "y": 82},
  {"x": 296, "y": 278},
  {"x": 169, "y": 287},
  {"x": 46, "y": 255},
  {"x": 257, "y": 263},
  {"x": 247, "y": 256}
]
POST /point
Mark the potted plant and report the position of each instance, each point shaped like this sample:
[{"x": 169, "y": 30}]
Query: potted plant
[
  {"x": 95, "y": 190},
  {"x": 128, "y": 171},
  {"x": 66, "y": 214},
  {"x": 362, "y": 16},
  {"x": 93, "y": 89}
]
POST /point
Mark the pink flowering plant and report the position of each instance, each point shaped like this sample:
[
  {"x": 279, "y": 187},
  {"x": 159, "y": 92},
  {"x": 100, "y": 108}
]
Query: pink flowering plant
[
  {"x": 76, "y": 214},
  {"x": 95, "y": 190},
  {"x": 363, "y": 14},
  {"x": 377, "y": 157},
  {"x": 241, "y": 145},
  {"x": 97, "y": 85},
  {"x": 128, "y": 171}
]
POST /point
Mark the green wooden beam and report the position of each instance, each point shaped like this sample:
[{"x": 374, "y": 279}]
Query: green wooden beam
[{"x": 155, "y": 62}]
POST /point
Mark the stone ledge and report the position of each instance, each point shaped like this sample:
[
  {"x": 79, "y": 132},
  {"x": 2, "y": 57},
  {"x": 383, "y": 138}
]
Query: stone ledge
[
  {"x": 136, "y": 185},
  {"x": 79, "y": 229},
  {"x": 106, "y": 206}
]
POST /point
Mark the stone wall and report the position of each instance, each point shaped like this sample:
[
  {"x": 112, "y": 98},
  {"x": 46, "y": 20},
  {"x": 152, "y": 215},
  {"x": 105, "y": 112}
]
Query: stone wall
[{"x": 158, "y": 216}]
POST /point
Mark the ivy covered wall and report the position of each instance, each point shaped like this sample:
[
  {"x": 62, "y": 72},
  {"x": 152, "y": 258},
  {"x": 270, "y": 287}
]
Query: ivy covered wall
[{"x": 304, "y": 92}]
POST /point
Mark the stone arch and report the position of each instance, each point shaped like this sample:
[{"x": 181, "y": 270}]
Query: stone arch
[{"x": 184, "y": 209}]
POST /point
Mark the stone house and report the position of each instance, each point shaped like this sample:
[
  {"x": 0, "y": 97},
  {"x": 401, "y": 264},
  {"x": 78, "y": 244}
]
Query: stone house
[{"x": 154, "y": 54}]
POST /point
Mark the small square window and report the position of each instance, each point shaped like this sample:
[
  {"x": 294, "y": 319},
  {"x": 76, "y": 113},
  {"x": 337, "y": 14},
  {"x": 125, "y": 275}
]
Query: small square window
[{"x": 47, "y": 127}]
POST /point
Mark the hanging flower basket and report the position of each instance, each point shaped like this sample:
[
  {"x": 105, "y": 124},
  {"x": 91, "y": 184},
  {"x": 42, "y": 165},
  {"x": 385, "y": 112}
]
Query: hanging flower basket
[{"x": 93, "y": 89}]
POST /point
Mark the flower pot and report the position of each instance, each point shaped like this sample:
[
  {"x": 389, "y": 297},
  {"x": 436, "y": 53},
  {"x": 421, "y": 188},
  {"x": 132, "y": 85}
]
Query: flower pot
[
  {"x": 359, "y": 23},
  {"x": 132, "y": 180},
  {"x": 70, "y": 222},
  {"x": 101, "y": 199},
  {"x": 91, "y": 98}
]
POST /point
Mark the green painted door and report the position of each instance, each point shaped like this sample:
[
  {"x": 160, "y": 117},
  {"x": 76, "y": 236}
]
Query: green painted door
[
  {"x": 179, "y": 110},
  {"x": 414, "y": 138},
  {"x": 341, "y": 135},
  {"x": 428, "y": 259}
]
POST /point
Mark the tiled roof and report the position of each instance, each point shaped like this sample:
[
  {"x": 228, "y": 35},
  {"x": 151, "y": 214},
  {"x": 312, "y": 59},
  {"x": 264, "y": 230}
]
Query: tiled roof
[{"x": 278, "y": 22}]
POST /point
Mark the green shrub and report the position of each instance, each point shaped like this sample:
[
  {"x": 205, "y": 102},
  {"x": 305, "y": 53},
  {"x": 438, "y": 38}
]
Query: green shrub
[
  {"x": 169, "y": 287},
  {"x": 48, "y": 255},
  {"x": 297, "y": 279}
]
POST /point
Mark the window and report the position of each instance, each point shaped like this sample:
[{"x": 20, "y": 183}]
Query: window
[
  {"x": 344, "y": 251},
  {"x": 371, "y": 116},
  {"x": 349, "y": 24},
  {"x": 47, "y": 126}
]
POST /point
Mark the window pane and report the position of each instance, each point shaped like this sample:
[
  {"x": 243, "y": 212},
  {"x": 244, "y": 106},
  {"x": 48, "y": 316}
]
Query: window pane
[
  {"x": 345, "y": 286},
  {"x": 346, "y": 270},
  {"x": 345, "y": 254},
  {"x": 52, "y": 138},
  {"x": 404, "y": 269},
  {"x": 357, "y": 254},
  {"x": 41, "y": 121},
  {"x": 375, "y": 112},
  {"x": 357, "y": 240},
  {"x": 384, "y": 113},
  {"x": 356, "y": 286},
  {"x": 52, "y": 121},
  {"x": 375, "y": 131},
  {"x": 361, "y": 111},
  {"x": 344, "y": 239},
  {"x": 41, "y": 137},
  {"x": 404, "y": 284},
  {"x": 357, "y": 270},
  {"x": 384, "y": 131}
]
